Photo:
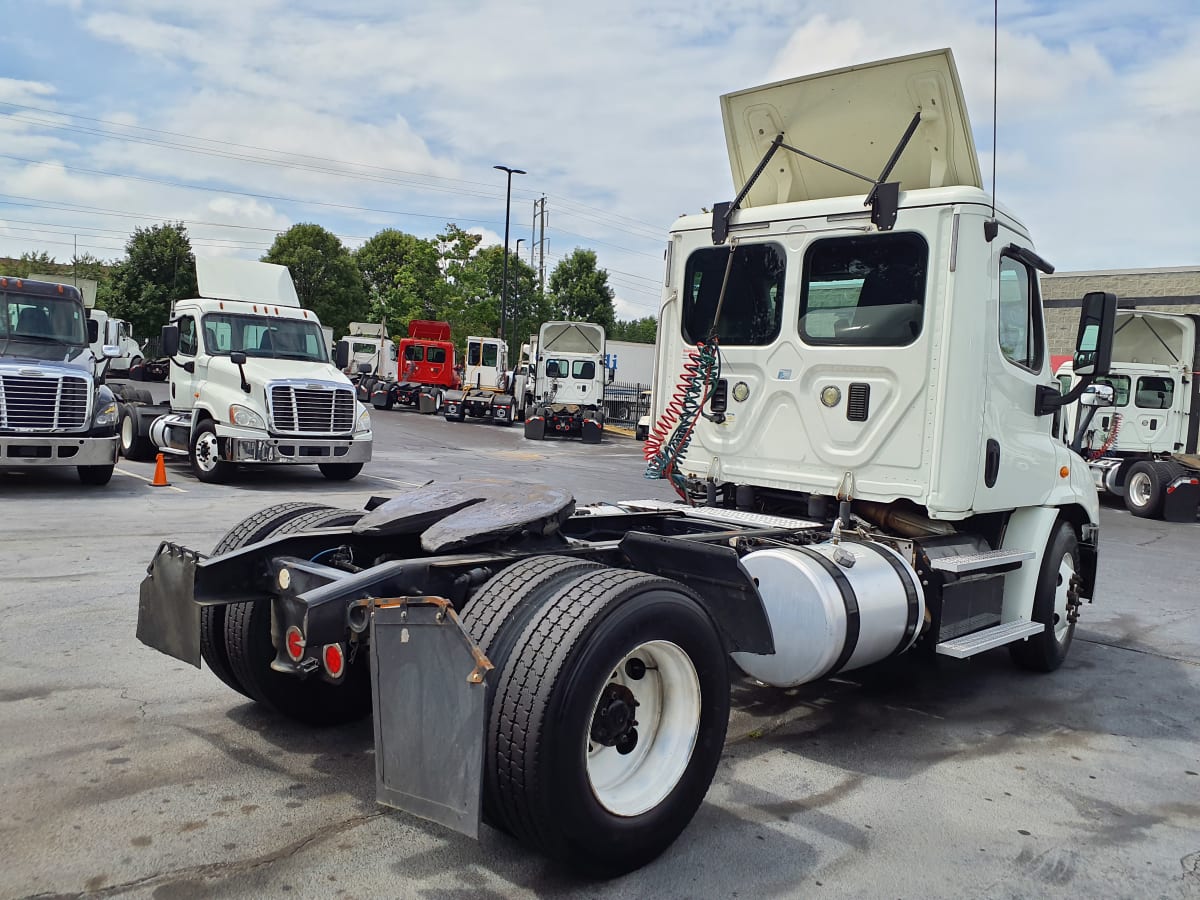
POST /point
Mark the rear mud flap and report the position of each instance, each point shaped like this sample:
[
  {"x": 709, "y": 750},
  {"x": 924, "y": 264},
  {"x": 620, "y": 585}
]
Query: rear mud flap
[
  {"x": 535, "y": 428},
  {"x": 592, "y": 431},
  {"x": 168, "y": 616},
  {"x": 430, "y": 704},
  {"x": 1181, "y": 502},
  {"x": 426, "y": 403}
]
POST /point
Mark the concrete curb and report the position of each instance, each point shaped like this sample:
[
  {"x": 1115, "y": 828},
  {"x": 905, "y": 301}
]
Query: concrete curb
[{"x": 617, "y": 429}]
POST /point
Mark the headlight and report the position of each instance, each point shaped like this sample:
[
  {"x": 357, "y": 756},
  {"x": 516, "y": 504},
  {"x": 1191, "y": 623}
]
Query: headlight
[
  {"x": 245, "y": 417},
  {"x": 364, "y": 421},
  {"x": 107, "y": 415}
]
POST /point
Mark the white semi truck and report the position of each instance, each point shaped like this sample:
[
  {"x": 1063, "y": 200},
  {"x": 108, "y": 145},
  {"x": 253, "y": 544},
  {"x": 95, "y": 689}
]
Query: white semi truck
[
  {"x": 251, "y": 382},
  {"x": 1143, "y": 445},
  {"x": 485, "y": 392},
  {"x": 55, "y": 409},
  {"x": 569, "y": 380},
  {"x": 856, "y": 405}
]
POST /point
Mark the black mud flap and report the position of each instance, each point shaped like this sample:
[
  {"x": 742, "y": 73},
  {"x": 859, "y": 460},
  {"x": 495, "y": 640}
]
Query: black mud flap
[
  {"x": 168, "y": 616},
  {"x": 426, "y": 403},
  {"x": 592, "y": 431},
  {"x": 535, "y": 428},
  {"x": 1181, "y": 502},
  {"x": 430, "y": 706}
]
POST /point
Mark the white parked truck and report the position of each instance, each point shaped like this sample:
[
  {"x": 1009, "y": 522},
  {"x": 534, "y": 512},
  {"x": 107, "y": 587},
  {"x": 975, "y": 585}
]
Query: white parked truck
[
  {"x": 485, "y": 391},
  {"x": 1143, "y": 445},
  {"x": 855, "y": 401},
  {"x": 568, "y": 394},
  {"x": 117, "y": 333},
  {"x": 251, "y": 382},
  {"x": 55, "y": 409}
]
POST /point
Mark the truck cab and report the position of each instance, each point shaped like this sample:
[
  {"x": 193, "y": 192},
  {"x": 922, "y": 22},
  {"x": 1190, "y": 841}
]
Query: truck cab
[
  {"x": 55, "y": 409},
  {"x": 570, "y": 377},
  {"x": 485, "y": 391},
  {"x": 117, "y": 333},
  {"x": 251, "y": 382},
  {"x": 425, "y": 369}
]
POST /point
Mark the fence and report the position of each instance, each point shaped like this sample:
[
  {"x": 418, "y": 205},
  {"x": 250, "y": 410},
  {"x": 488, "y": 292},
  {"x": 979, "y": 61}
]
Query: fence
[{"x": 626, "y": 402}]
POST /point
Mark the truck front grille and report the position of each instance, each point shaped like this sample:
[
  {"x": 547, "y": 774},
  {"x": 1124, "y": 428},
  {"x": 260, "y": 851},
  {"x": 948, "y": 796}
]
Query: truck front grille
[
  {"x": 312, "y": 410},
  {"x": 42, "y": 403}
]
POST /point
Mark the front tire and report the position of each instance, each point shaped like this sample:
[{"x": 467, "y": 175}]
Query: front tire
[
  {"x": 340, "y": 471},
  {"x": 582, "y": 775},
  {"x": 1052, "y": 602},
  {"x": 97, "y": 476},
  {"x": 205, "y": 455}
]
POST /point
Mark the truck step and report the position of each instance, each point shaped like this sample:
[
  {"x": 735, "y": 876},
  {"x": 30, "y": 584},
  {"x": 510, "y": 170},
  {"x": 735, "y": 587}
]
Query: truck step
[
  {"x": 989, "y": 561},
  {"x": 996, "y": 636},
  {"x": 727, "y": 516}
]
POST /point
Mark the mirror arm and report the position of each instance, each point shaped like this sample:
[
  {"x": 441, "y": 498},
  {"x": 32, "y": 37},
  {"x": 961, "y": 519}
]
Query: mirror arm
[
  {"x": 1050, "y": 398},
  {"x": 1085, "y": 422}
]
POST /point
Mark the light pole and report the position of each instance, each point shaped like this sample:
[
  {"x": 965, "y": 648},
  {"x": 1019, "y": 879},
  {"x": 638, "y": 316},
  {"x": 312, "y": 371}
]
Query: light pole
[{"x": 504, "y": 277}]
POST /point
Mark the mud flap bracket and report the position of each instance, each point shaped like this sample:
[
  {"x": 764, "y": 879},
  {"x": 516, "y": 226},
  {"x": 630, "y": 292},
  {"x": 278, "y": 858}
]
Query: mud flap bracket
[{"x": 430, "y": 706}]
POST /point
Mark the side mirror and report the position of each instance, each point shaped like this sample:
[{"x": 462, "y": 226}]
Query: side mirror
[
  {"x": 169, "y": 341},
  {"x": 1098, "y": 395},
  {"x": 1093, "y": 344},
  {"x": 238, "y": 357},
  {"x": 93, "y": 328},
  {"x": 364, "y": 368},
  {"x": 110, "y": 351},
  {"x": 341, "y": 354},
  {"x": 610, "y": 375}
]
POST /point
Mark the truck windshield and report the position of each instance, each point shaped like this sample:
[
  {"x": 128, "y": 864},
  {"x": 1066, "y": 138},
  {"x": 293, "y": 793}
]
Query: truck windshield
[
  {"x": 264, "y": 337},
  {"x": 42, "y": 320}
]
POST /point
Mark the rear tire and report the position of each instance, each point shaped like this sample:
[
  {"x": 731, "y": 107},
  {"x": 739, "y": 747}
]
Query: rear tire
[
  {"x": 1045, "y": 652},
  {"x": 250, "y": 530},
  {"x": 250, "y": 651},
  {"x": 134, "y": 446},
  {"x": 565, "y": 791}
]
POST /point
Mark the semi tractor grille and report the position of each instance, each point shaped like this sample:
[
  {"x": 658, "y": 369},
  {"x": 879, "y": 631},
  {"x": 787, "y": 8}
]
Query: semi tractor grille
[
  {"x": 41, "y": 403},
  {"x": 312, "y": 410}
]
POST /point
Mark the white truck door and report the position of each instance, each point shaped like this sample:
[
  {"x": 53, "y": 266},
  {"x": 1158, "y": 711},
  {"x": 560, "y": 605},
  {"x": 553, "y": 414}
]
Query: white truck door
[
  {"x": 1019, "y": 461},
  {"x": 1151, "y": 414},
  {"x": 185, "y": 384}
]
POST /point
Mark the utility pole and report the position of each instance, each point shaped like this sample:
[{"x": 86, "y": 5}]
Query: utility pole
[{"x": 539, "y": 222}]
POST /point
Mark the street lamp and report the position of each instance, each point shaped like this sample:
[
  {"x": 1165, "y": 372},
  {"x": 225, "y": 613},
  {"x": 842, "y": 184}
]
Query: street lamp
[
  {"x": 517, "y": 254},
  {"x": 504, "y": 275}
]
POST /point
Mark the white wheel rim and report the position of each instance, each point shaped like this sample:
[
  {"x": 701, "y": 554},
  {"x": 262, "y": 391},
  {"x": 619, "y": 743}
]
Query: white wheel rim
[
  {"x": 1066, "y": 572},
  {"x": 1139, "y": 488},
  {"x": 127, "y": 433},
  {"x": 668, "y": 722},
  {"x": 206, "y": 451}
]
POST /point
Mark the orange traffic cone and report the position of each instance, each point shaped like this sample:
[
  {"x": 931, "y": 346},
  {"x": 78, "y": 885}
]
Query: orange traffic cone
[{"x": 160, "y": 473}]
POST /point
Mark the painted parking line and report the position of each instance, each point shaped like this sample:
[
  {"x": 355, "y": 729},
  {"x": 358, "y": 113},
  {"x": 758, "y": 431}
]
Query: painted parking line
[
  {"x": 150, "y": 480},
  {"x": 396, "y": 481}
]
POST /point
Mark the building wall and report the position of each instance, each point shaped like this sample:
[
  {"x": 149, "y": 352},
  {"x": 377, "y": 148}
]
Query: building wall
[{"x": 1167, "y": 290}]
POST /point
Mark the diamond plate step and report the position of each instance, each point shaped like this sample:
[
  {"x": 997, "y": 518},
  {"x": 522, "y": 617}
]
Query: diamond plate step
[
  {"x": 991, "y": 560},
  {"x": 996, "y": 636}
]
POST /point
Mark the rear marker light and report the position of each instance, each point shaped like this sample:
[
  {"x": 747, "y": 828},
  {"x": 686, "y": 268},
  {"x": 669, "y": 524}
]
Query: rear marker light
[
  {"x": 294, "y": 641},
  {"x": 335, "y": 660}
]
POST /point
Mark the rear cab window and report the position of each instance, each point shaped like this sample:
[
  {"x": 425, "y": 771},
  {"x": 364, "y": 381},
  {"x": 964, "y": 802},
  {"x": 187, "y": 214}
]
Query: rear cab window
[
  {"x": 1154, "y": 392},
  {"x": 864, "y": 290},
  {"x": 752, "y": 311}
]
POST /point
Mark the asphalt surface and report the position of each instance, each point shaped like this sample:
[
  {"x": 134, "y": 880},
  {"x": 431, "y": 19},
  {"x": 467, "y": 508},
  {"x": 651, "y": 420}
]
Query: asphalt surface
[{"x": 126, "y": 773}]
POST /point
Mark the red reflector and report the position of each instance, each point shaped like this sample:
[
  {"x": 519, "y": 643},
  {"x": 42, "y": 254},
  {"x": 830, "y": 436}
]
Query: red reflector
[
  {"x": 334, "y": 660},
  {"x": 294, "y": 641}
]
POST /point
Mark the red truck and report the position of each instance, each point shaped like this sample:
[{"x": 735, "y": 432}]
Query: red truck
[{"x": 425, "y": 369}]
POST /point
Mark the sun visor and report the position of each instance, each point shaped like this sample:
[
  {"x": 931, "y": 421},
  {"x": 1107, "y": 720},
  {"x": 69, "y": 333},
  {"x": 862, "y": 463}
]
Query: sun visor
[
  {"x": 571, "y": 337},
  {"x": 241, "y": 279},
  {"x": 853, "y": 117}
]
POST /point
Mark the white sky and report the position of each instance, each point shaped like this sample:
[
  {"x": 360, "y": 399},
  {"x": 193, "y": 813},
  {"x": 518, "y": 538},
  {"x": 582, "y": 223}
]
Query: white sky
[{"x": 611, "y": 108}]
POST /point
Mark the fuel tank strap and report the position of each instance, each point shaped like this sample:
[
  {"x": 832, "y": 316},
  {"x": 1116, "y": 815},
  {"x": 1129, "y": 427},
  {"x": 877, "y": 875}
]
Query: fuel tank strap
[
  {"x": 849, "y": 600},
  {"x": 910, "y": 591}
]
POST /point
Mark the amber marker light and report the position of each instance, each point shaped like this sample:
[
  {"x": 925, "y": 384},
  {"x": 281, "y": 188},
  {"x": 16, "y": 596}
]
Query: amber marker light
[{"x": 1064, "y": 472}]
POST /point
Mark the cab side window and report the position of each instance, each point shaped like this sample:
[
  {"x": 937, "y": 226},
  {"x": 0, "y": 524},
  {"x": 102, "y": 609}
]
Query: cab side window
[
  {"x": 1021, "y": 339},
  {"x": 187, "y": 336}
]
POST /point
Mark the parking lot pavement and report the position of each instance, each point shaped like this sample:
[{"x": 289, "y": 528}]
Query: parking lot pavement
[{"x": 126, "y": 773}]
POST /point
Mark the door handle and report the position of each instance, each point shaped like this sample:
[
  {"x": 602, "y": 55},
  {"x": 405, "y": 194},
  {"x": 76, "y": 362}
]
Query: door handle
[{"x": 991, "y": 465}]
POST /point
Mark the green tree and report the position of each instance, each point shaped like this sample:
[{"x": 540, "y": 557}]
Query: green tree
[
  {"x": 637, "y": 331},
  {"x": 327, "y": 280},
  {"x": 579, "y": 290},
  {"x": 158, "y": 269},
  {"x": 403, "y": 277},
  {"x": 456, "y": 247}
]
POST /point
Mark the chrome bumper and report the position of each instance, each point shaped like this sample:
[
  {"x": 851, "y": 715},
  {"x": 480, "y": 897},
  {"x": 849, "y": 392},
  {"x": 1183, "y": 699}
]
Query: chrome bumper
[
  {"x": 22, "y": 450},
  {"x": 249, "y": 445}
]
